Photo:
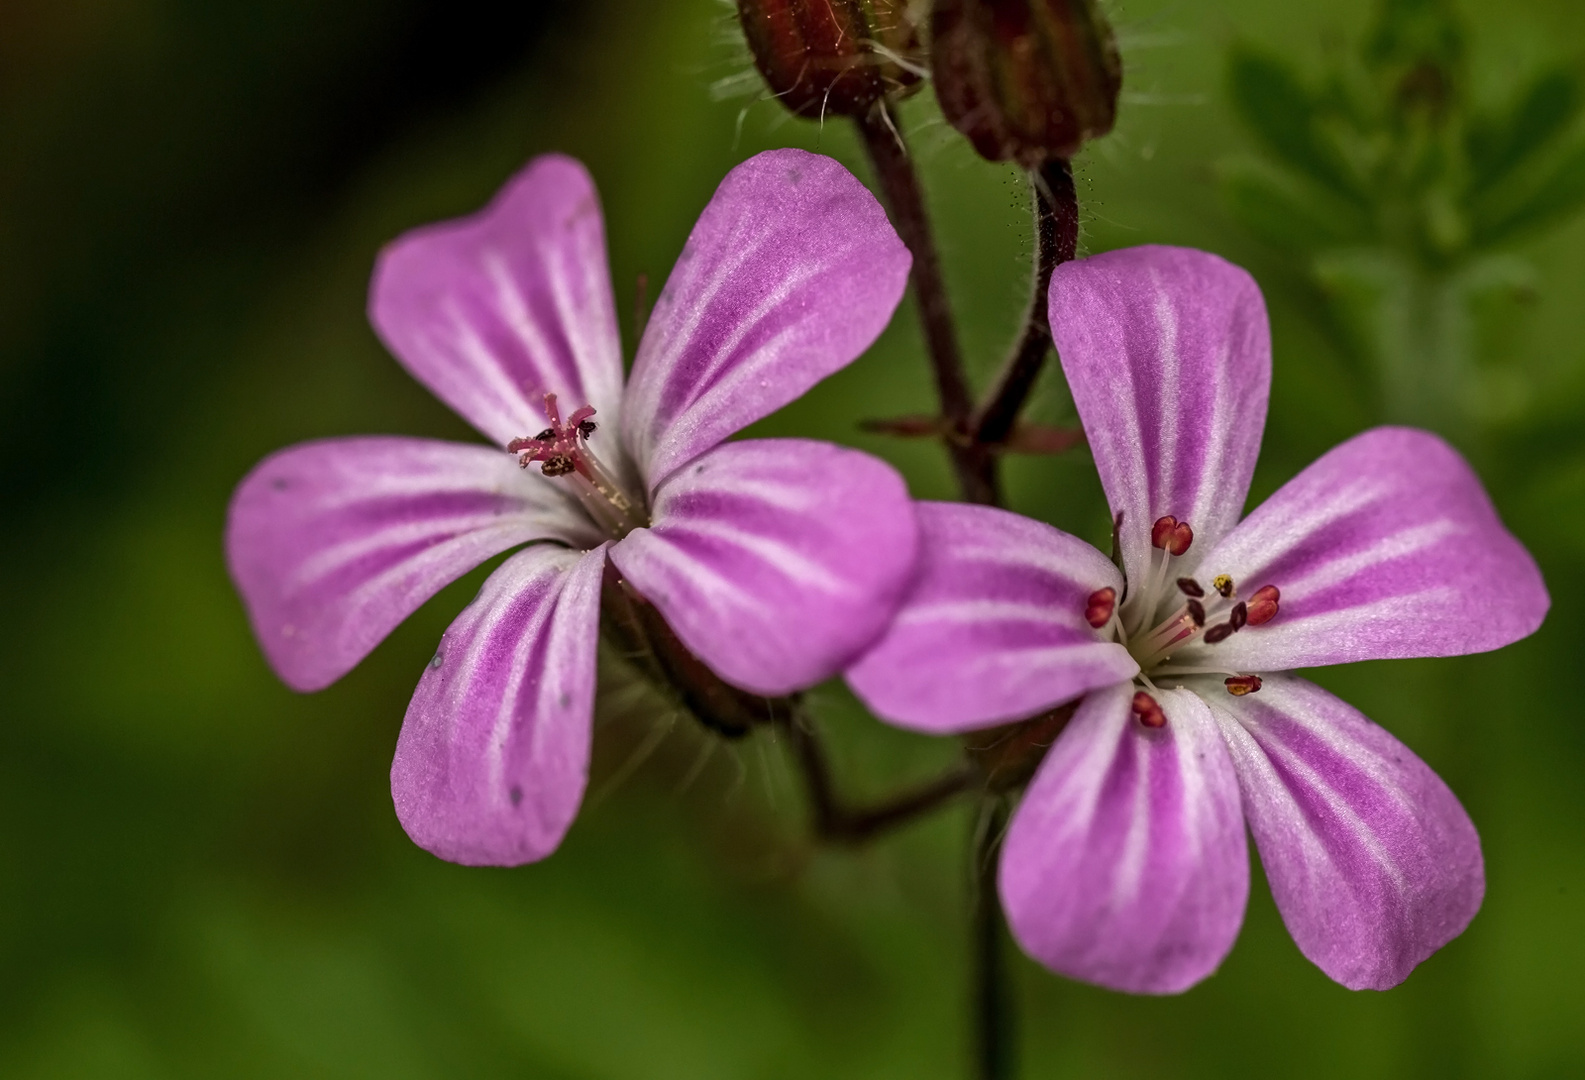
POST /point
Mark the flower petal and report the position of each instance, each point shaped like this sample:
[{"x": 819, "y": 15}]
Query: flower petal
[
  {"x": 494, "y": 752},
  {"x": 334, "y": 543},
  {"x": 1387, "y": 546},
  {"x": 776, "y": 561},
  {"x": 1168, "y": 354},
  {"x": 790, "y": 273},
  {"x": 1125, "y": 864},
  {"x": 994, "y": 626},
  {"x": 1373, "y": 862},
  {"x": 495, "y": 310}
]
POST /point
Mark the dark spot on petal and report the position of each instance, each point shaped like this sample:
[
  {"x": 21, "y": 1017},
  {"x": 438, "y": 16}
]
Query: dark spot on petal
[
  {"x": 564, "y": 700},
  {"x": 516, "y": 794},
  {"x": 794, "y": 176},
  {"x": 280, "y": 483}
]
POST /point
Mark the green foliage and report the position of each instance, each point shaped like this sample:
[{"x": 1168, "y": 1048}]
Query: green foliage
[{"x": 1435, "y": 186}]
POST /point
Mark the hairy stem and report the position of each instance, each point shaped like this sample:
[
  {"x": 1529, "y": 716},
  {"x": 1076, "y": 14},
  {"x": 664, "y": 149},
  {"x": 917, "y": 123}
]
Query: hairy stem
[
  {"x": 993, "y": 1015},
  {"x": 883, "y": 141},
  {"x": 839, "y": 823},
  {"x": 634, "y": 624},
  {"x": 1056, "y": 240}
]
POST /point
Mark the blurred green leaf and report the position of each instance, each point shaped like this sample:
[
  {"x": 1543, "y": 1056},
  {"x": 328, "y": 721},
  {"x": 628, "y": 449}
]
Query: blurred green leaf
[
  {"x": 1270, "y": 208},
  {"x": 1416, "y": 34},
  {"x": 1499, "y": 145},
  {"x": 1559, "y": 194},
  {"x": 1278, "y": 109}
]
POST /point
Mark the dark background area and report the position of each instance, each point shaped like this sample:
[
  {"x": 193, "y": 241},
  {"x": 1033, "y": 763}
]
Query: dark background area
[{"x": 200, "y": 872}]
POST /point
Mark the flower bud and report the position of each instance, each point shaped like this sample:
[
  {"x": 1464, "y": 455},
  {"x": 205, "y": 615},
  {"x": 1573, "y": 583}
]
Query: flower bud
[
  {"x": 832, "y": 57},
  {"x": 1026, "y": 80}
]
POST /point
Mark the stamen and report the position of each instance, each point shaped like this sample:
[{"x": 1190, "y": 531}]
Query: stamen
[
  {"x": 1239, "y": 685},
  {"x": 1171, "y": 534},
  {"x": 1189, "y": 587},
  {"x": 1223, "y": 584},
  {"x": 1099, "y": 607},
  {"x": 1238, "y": 616},
  {"x": 1196, "y": 612},
  {"x": 1219, "y": 632},
  {"x": 1263, "y": 605},
  {"x": 1161, "y": 531},
  {"x": 1148, "y": 712},
  {"x": 556, "y": 465}
]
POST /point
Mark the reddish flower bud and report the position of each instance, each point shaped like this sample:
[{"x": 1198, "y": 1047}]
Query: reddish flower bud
[
  {"x": 1026, "y": 80},
  {"x": 831, "y": 57}
]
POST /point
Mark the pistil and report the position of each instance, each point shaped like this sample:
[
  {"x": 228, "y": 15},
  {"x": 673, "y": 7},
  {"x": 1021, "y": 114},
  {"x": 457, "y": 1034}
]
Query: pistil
[{"x": 563, "y": 451}]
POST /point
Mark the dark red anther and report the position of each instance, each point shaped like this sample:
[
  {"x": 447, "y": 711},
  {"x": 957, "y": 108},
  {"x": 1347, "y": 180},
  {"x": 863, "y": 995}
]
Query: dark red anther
[
  {"x": 1238, "y": 616},
  {"x": 1189, "y": 587},
  {"x": 1263, "y": 605},
  {"x": 1239, "y": 685},
  {"x": 586, "y": 428},
  {"x": 1219, "y": 632},
  {"x": 1196, "y": 612},
  {"x": 1148, "y": 712},
  {"x": 1161, "y": 531},
  {"x": 1098, "y": 609},
  {"x": 1182, "y": 537}
]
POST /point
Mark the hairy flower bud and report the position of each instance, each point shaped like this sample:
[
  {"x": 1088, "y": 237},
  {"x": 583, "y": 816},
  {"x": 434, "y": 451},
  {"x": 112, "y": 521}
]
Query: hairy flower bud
[
  {"x": 832, "y": 57},
  {"x": 1026, "y": 80}
]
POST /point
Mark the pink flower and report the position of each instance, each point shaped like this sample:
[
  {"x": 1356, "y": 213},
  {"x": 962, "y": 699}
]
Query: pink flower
[
  {"x": 1125, "y": 864},
  {"x": 776, "y": 561}
]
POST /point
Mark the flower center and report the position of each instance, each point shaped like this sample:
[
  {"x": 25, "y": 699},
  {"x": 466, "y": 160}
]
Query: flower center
[
  {"x": 563, "y": 450},
  {"x": 1171, "y": 624}
]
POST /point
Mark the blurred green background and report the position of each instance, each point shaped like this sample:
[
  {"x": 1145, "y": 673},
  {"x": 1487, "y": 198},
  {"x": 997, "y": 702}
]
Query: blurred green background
[{"x": 200, "y": 872}]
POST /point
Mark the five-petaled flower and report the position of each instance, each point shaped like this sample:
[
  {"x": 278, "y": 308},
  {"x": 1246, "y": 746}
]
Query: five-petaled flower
[
  {"x": 1126, "y": 863},
  {"x": 776, "y": 561}
]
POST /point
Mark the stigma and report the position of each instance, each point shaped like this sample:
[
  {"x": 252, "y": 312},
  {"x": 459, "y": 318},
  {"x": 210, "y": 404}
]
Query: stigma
[{"x": 562, "y": 450}]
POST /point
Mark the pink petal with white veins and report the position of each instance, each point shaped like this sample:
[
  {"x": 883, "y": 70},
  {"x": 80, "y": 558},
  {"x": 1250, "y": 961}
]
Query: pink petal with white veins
[
  {"x": 1168, "y": 354},
  {"x": 333, "y": 543},
  {"x": 1373, "y": 862},
  {"x": 776, "y": 561},
  {"x": 494, "y": 753},
  {"x": 994, "y": 626},
  {"x": 1387, "y": 546},
  {"x": 495, "y": 310},
  {"x": 791, "y": 272},
  {"x": 1125, "y": 864}
]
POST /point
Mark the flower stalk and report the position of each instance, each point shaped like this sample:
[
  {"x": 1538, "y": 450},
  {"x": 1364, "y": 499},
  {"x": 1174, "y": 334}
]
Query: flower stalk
[
  {"x": 888, "y": 153},
  {"x": 1056, "y": 241},
  {"x": 835, "y": 821},
  {"x": 993, "y": 1017}
]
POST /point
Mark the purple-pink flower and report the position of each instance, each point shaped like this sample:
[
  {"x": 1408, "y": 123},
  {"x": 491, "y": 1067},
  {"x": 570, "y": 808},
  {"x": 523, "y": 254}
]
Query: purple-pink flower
[
  {"x": 1126, "y": 863},
  {"x": 776, "y": 561}
]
